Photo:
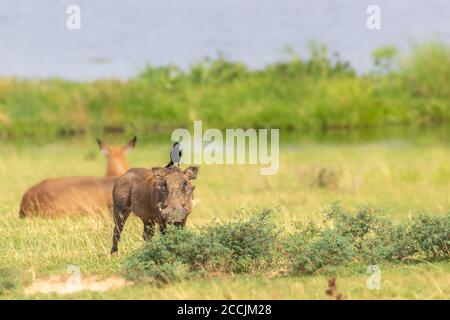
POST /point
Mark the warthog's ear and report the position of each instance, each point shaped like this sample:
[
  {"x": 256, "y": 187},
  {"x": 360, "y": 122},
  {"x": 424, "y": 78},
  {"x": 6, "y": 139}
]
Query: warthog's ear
[
  {"x": 157, "y": 170},
  {"x": 131, "y": 144},
  {"x": 103, "y": 147},
  {"x": 191, "y": 172}
]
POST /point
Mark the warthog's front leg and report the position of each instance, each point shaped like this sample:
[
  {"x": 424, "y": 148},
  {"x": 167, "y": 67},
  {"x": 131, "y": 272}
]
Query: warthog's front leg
[
  {"x": 162, "y": 227},
  {"x": 149, "y": 230}
]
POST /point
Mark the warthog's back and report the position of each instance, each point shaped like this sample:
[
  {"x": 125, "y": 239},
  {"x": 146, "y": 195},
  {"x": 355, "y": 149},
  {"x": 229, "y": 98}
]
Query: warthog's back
[
  {"x": 129, "y": 193},
  {"x": 68, "y": 195}
]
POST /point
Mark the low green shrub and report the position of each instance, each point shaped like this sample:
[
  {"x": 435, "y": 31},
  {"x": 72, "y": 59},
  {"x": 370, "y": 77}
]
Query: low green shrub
[
  {"x": 365, "y": 238},
  {"x": 233, "y": 247},
  {"x": 424, "y": 236},
  {"x": 256, "y": 245}
]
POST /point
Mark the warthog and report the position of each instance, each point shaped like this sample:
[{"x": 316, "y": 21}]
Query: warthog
[{"x": 158, "y": 195}]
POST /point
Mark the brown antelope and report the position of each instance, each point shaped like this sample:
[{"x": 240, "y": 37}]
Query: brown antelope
[{"x": 54, "y": 197}]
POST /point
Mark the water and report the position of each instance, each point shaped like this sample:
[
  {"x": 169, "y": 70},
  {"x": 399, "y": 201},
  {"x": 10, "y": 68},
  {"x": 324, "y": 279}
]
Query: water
[{"x": 118, "y": 38}]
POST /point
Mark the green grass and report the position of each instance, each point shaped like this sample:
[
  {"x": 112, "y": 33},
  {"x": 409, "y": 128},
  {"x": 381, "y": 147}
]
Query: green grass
[
  {"x": 404, "y": 178},
  {"x": 319, "y": 94}
]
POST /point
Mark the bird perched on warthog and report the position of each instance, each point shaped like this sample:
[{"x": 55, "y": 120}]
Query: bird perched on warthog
[
  {"x": 175, "y": 155},
  {"x": 68, "y": 195},
  {"x": 157, "y": 196}
]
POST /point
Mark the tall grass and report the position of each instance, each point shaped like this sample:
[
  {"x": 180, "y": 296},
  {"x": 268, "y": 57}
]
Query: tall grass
[{"x": 318, "y": 94}]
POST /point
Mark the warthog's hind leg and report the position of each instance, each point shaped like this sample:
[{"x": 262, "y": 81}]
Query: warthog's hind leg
[{"x": 120, "y": 217}]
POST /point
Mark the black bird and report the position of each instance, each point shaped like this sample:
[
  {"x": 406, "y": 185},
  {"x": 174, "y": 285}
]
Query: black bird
[{"x": 175, "y": 155}]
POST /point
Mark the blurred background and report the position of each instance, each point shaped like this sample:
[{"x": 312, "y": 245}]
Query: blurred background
[
  {"x": 147, "y": 67},
  {"x": 118, "y": 39},
  {"x": 357, "y": 109},
  {"x": 363, "y": 116}
]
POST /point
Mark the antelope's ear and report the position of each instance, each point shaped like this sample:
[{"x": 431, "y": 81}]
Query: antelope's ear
[
  {"x": 191, "y": 173},
  {"x": 131, "y": 144},
  {"x": 103, "y": 147}
]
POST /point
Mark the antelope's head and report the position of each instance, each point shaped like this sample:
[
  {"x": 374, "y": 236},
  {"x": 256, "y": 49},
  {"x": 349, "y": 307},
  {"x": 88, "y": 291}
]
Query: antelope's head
[{"x": 116, "y": 157}]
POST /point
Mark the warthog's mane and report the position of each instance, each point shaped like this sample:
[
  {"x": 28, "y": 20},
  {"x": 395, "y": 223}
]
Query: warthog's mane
[{"x": 160, "y": 173}]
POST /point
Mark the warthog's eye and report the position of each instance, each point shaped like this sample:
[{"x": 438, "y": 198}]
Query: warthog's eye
[
  {"x": 187, "y": 186},
  {"x": 162, "y": 186}
]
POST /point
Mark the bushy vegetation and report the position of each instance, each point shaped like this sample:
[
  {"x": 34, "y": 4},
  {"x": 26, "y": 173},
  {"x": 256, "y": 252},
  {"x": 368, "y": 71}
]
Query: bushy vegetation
[
  {"x": 233, "y": 247},
  {"x": 318, "y": 94},
  {"x": 255, "y": 245},
  {"x": 366, "y": 238}
]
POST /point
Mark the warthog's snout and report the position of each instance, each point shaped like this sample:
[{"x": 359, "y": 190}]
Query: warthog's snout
[{"x": 174, "y": 216}]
